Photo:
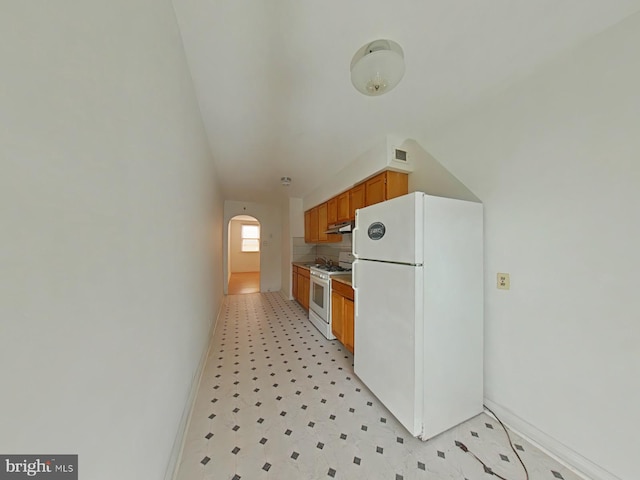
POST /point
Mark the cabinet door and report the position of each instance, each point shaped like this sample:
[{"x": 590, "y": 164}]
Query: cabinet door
[
  {"x": 332, "y": 211},
  {"x": 301, "y": 290},
  {"x": 337, "y": 318},
  {"x": 375, "y": 189},
  {"x": 397, "y": 184},
  {"x": 313, "y": 222},
  {"x": 356, "y": 200},
  {"x": 304, "y": 300},
  {"x": 323, "y": 224},
  {"x": 343, "y": 207},
  {"x": 348, "y": 324},
  {"x": 294, "y": 281},
  {"x": 307, "y": 226}
]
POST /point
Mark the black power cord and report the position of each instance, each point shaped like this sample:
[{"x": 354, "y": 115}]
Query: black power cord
[{"x": 487, "y": 469}]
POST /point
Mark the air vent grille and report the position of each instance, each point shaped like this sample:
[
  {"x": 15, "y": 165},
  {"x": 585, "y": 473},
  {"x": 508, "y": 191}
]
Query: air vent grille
[{"x": 400, "y": 155}]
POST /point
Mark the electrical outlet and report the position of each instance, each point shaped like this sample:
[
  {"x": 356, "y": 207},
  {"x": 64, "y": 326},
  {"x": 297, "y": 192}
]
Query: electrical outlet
[{"x": 504, "y": 283}]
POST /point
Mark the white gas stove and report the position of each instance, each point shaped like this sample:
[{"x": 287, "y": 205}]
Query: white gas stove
[{"x": 320, "y": 292}]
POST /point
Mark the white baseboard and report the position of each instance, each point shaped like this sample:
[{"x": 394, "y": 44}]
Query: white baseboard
[
  {"x": 285, "y": 295},
  {"x": 549, "y": 445},
  {"x": 181, "y": 436}
]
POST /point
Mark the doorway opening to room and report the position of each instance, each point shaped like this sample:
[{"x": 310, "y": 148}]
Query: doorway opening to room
[{"x": 244, "y": 255}]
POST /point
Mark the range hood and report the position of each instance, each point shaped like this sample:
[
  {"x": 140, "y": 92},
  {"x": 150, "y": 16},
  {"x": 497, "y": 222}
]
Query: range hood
[{"x": 343, "y": 227}]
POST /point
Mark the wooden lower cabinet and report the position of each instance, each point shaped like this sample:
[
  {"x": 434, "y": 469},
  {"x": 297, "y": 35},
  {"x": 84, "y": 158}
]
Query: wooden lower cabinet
[
  {"x": 349, "y": 324},
  {"x": 337, "y": 317},
  {"x": 300, "y": 285},
  {"x": 342, "y": 314},
  {"x": 303, "y": 289},
  {"x": 294, "y": 281}
]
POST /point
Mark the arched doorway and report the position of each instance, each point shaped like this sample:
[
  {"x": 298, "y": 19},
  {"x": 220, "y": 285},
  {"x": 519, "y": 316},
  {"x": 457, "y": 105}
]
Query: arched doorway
[{"x": 243, "y": 255}]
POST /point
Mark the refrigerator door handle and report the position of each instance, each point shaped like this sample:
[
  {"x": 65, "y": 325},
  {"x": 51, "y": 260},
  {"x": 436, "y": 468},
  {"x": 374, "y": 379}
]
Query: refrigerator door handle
[
  {"x": 354, "y": 237},
  {"x": 354, "y": 267}
]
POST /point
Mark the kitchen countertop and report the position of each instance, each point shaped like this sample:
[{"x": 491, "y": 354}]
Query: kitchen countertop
[
  {"x": 302, "y": 264},
  {"x": 342, "y": 278}
]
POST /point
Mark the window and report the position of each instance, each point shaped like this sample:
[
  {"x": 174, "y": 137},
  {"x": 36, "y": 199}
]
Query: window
[{"x": 250, "y": 238}]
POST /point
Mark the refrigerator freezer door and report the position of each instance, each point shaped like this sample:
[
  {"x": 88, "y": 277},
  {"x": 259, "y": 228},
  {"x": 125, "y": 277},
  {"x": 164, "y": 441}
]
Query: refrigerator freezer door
[
  {"x": 388, "y": 337},
  {"x": 391, "y": 231}
]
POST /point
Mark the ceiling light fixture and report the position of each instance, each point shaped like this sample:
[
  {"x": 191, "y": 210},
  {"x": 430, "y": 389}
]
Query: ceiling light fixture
[
  {"x": 285, "y": 181},
  {"x": 377, "y": 67}
]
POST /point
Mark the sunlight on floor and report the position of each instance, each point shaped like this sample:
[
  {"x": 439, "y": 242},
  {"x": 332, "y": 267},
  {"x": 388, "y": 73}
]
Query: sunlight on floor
[{"x": 244, "y": 282}]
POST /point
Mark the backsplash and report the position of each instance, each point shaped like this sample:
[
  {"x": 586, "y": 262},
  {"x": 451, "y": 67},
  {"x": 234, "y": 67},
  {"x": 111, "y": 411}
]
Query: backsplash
[
  {"x": 303, "y": 252},
  {"x": 306, "y": 252}
]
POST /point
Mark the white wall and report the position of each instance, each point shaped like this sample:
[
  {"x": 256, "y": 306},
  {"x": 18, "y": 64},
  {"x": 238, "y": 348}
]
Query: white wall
[
  {"x": 377, "y": 158},
  {"x": 555, "y": 159},
  {"x": 111, "y": 227},
  {"x": 292, "y": 226},
  {"x": 241, "y": 261},
  {"x": 426, "y": 174},
  {"x": 270, "y": 218},
  {"x": 296, "y": 217},
  {"x": 431, "y": 177}
]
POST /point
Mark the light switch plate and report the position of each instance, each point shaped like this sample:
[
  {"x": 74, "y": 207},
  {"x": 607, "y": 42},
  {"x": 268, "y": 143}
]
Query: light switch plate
[{"x": 504, "y": 282}]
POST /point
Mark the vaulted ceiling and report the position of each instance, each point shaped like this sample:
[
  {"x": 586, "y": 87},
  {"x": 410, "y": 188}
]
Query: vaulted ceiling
[{"x": 272, "y": 77}]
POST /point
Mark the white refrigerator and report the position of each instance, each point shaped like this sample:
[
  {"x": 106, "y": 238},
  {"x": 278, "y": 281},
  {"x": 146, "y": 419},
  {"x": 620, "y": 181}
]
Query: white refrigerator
[{"x": 418, "y": 283}]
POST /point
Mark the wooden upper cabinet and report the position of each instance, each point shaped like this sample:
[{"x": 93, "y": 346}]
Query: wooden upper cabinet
[
  {"x": 323, "y": 224},
  {"x": 332, "y": 211},
  {"x": 307, "y": 226},
  {"x": 385, "y": 186},
  {"x": 397, "y": 184},
  {"x": 356, "y": 200},
  {"x": 316, "y": 223},
  {"x": 375, "y": 189},
  {"x": 311, "y": 225},
  {"x": 313, "y": 221},
  {"x": 343, "y": 207}
]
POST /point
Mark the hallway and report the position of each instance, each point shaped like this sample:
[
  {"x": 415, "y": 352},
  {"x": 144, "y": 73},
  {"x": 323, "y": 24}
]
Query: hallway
[
  {"x": 241, "y": 283},
  {"x": 279, "y": 401}
]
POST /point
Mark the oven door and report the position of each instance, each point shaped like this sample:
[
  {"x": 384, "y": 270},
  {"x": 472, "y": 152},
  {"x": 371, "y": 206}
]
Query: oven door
[{"x": 319, "y": 297}]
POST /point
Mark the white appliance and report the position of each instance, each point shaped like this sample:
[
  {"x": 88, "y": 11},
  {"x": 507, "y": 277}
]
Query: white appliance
[
  {"x": 418, "y": 282},
  {"x": 320, "y": 292}
]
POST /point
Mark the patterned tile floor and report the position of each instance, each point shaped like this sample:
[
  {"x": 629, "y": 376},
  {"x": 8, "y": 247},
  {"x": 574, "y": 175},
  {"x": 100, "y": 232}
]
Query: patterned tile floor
[{"x": 279, "y": 401}]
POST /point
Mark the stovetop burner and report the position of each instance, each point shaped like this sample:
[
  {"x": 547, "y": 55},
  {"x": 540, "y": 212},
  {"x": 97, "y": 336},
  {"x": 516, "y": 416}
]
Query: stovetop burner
[
  {"x": 343, "y": 266},
  {"x": 332, "y": 268}
]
